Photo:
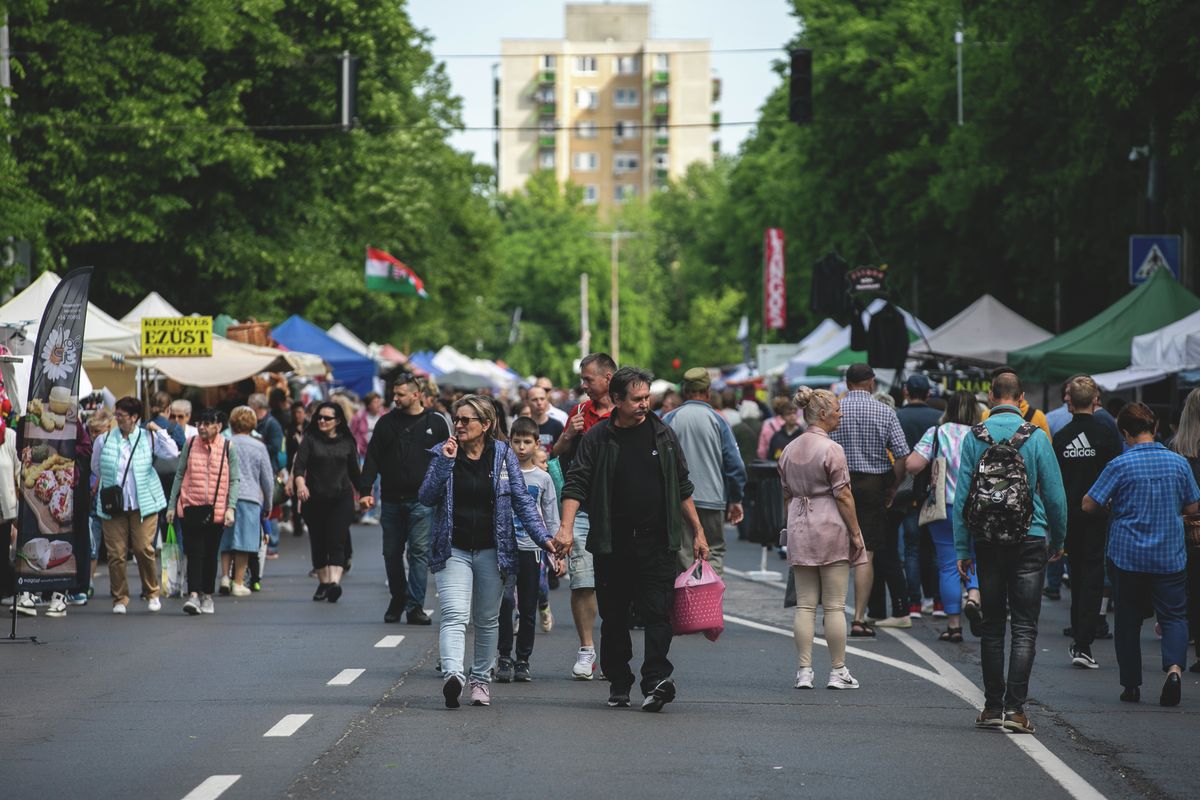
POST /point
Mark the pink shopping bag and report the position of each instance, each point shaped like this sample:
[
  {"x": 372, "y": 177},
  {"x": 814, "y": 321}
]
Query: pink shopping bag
[{"x": 699, "y": 592}]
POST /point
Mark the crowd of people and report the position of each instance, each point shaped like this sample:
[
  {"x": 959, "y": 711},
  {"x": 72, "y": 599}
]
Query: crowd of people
[{"x": 947, "y": 506}]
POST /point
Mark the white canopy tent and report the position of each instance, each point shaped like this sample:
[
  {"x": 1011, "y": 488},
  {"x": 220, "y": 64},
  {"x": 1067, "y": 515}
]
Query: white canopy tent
[
  {"x": 1130, "y": 378},
  {"x": 1173, "y": 348},
  {"x": 987, "y": 330},
  {"x": 102, "y": 335},
  {"x": 343, "y": 335},
  {"x": 450, "y": 360},
  {"x": 152, "y": 305},
  {"x": 820, "y": 337}
]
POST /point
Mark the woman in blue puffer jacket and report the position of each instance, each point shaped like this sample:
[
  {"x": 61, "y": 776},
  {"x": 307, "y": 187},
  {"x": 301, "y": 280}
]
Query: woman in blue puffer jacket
[{"x": 475, "y": 487}]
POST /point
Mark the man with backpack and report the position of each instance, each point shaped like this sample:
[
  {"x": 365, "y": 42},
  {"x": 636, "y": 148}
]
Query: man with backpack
[
  {"x": 399, "y": 454},
  {"x": 1015, "y": 509}
]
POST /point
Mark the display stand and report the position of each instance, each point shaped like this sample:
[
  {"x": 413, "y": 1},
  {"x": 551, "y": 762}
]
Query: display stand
[
  {"x": 12, "y": 634},
  {"x": 762, "y": 573}
]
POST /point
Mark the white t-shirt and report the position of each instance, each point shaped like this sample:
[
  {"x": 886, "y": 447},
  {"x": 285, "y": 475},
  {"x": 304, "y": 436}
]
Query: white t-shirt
[{"x": 541, "y": 488}]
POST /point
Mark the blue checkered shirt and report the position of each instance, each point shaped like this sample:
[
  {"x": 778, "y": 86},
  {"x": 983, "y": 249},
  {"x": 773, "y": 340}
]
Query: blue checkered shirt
[
  {"x": 868, "y": 430},
  {"x": 1148, "y": 486}
]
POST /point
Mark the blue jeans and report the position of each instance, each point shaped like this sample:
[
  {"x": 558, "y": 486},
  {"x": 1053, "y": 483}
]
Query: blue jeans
[
  {"x": 912, "y": 536},
  {"x": 406, "y": 523},
  {"x": 470, "y": 589},
  {"x": 1010, "y": 581},
  {"x": 1134, "y": 592},
  {"x": 942, "y": 533},
  {"x": 1054, "y": 575}
]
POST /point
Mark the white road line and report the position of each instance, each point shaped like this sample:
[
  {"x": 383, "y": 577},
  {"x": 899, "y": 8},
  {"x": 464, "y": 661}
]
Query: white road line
[
  {"x": 390, "y": 641},
  {"x": 212, "y": 787},
  {"x": 288, "y": 725},
  {"x": 945, "y": 675},
  {"x": 737, "y": 573},
  {"x": 345, "y": 677}
]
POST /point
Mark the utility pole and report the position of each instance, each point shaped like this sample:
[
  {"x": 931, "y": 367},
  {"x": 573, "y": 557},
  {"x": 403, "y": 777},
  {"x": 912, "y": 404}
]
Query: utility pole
[
  {"x": 958, "y": 45},
  {"x": 614, "y": 238},
  {"x": 585, "y": 329}
]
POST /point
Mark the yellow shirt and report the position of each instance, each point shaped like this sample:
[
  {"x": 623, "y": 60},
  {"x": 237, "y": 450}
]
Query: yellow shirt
[{"x": 1038, "y": 419}]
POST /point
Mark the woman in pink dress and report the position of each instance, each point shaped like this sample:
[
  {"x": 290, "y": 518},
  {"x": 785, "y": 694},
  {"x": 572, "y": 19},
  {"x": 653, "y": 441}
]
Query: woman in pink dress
[{"x": 823, "y": 537}]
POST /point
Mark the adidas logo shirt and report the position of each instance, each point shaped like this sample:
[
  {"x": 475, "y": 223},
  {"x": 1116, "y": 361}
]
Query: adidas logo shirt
[{"x": 1083, "y": 448}]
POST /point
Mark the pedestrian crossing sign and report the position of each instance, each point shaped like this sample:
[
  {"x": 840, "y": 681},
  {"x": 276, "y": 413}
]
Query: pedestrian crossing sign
[{"x": 1148, "y": 254}]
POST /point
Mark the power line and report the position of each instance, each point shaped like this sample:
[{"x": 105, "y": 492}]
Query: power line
[
  {"x": 26, "y": 122},
  {"x": 302, "y": 56}
]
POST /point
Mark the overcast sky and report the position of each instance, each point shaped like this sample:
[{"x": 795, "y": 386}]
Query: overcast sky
[{"x": 477, "y": 26}]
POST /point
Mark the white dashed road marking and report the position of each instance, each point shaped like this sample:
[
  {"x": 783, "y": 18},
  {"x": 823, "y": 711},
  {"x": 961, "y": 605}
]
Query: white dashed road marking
[
  {"x": 288, "y": 725},
  {"x": 345, "y": 677},
  {"x": 212, "y": 788},
  {"x": 389, "y": 641}
]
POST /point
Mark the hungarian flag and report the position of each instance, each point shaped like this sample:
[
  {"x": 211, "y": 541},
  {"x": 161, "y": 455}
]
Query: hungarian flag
[{"x": 386, "y": 273}]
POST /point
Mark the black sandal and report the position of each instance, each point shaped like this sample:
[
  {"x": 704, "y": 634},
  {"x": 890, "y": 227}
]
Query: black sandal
[
  {"x": 861, "y": 630},
  {"x": 974, "y": 614},
  {"x": 951, "y": 635}
]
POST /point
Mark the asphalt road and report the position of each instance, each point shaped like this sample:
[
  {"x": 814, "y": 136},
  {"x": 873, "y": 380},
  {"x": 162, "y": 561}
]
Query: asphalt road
[{"x": 156, "y": 706}]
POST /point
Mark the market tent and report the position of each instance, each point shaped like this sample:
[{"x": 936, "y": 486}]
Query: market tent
[
  {"x": 344, "y": 335},
  {"x": 1130, "y": 378},
  {"x": 1175, "y": 347},
  {"x": 423, "y": 361},
  {"x": 391, "y": 355},
  {"x": 1103, "y": 343},
  {"x": 449, "y": 360},
  {"x": 152, "y": 305},
  {"x": 354, "y": 371},
  {"x": 815, "y": 348},
  {"x": 101, "y": 335},
  {"x": 987, "y": 330}
]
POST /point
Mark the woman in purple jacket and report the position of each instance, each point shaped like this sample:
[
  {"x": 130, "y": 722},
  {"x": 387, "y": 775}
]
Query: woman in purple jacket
[{"x": 475, "y": 487}]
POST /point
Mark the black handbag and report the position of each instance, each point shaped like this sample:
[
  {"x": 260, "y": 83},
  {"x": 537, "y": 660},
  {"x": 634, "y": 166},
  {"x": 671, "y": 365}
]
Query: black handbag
[
  {"x": 203, "y": 515},
  {"x": 112, "y": 498}
]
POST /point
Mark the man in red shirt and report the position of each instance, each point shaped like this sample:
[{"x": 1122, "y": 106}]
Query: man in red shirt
[{"x": 595, "y": 371}]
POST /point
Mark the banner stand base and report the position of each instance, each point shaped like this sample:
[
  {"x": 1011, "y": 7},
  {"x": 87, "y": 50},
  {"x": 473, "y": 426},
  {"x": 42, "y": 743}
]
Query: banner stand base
[{"x": 12, "y": 636}]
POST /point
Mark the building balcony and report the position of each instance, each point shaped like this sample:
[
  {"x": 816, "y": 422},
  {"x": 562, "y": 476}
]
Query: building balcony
[
  {"x": 716, "y": 90},
  {"x": 547, "y": 140},
  {"x": 547, "y": 76},
  {"x": 660, "y": 175},
  {"x": 716, "y": 147},
  {"x": 661, "y": 141},
  {"x": 716, "y": 120},
  {"x": 661, "y": 109},
  {"x": 547, "y": 109},
  {"x": 662, "y": 77}
]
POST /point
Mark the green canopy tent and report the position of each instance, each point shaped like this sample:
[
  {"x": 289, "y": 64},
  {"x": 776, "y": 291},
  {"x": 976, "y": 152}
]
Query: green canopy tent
[{"x": 1102, "y": 344}]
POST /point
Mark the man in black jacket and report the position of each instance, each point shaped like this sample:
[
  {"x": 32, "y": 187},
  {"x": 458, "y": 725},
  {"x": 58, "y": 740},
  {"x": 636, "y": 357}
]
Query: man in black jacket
[
  {"x": 398, "y": 454},
  {"x": 631, "y": 472},
  {"x": 1083, "y": 448}
]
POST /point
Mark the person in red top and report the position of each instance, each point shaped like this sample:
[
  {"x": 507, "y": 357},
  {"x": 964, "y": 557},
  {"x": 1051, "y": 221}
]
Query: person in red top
[{"x": 595, "y": 371}]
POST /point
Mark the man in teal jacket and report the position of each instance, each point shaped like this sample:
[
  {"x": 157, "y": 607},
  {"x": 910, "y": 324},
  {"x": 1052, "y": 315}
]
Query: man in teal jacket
[{"x": 1011, "y": 575}]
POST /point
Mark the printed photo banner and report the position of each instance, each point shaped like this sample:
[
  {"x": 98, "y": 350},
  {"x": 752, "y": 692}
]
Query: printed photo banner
[{"x": 52, "y": 524}]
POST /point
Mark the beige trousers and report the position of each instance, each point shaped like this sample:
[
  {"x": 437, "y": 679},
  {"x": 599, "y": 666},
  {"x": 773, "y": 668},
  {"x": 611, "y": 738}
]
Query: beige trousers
[
  {"x": 826, "y": 585},
  {"x": 123, "y": 529},
  {"x": 713, "y": 522}
]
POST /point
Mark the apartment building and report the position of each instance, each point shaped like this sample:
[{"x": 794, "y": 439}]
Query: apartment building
[{"x": 607, "y": 107}]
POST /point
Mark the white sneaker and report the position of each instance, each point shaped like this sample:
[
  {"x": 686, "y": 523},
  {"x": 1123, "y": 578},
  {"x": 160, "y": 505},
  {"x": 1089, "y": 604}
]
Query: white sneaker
[
  {"x": 191, "y": 606},
  {"x": 154, "y": 604},
  {"x": 804, "y": 678},
  {"x": 206, "y": 605},
  {"x": 894, "y": 622},
  {"x": 8, "y": 601},
  {"x": 585, "y": 664},
  {"x": 841, "y": 679},
  {"x": 119, "y": 608},
  {"x": 238, "y": 590},
  {"x": 226, "y": 584},
  {"x": 546, "y": 619},
  {"x": 26, "y": 605},
  {"x": 58, "y": 605},
  {"x": 927, "y": 606}
]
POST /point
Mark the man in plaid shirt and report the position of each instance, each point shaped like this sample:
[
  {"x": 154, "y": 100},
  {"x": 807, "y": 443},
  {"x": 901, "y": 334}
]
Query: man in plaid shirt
[{"x": 869, "y": 430}]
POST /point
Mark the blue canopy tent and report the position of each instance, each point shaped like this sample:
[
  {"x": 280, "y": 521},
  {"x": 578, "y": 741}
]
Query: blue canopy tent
[
  {"x": 423, "y": 360},
  {"x": 352, "y": 370}
]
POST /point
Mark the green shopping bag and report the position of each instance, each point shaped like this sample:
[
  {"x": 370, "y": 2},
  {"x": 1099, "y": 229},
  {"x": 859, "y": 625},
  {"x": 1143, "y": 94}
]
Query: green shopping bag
[{"x": 173, "y": 571}]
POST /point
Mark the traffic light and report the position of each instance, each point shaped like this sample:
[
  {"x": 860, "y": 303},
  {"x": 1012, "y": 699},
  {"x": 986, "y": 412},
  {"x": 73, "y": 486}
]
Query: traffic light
[{"x": 800, "y": 108}]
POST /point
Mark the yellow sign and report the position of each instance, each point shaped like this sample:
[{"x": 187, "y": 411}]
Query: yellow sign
[{"x": 177, "y": 336}]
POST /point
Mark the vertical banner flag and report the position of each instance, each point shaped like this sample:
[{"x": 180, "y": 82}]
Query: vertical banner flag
[
  {"x": 774, "y": 291},
  {"x": 52, "y": 549},
  {"x": 386, "y": 273}
]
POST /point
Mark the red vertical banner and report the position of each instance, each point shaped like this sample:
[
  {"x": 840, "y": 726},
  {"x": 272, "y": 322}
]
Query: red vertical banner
[{"x": 774, "y": 290}]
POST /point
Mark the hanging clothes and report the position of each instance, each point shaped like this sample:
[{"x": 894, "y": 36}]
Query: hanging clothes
[
  {"x": 828, "y": 297},
  {"x": 887, "y": 339}
]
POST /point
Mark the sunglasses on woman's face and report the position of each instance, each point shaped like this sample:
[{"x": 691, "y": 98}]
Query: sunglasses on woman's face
[
  {"x": 465, "y": 421},
  {"x": 323, "y": 418}
]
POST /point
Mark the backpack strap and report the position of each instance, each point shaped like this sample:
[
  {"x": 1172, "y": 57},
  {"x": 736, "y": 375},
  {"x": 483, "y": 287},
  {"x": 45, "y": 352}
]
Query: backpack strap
[
  {"x": 1022, "y": 435},
  {"x": 1029, "y": 415},
  {"x": 981, "y": 433}
]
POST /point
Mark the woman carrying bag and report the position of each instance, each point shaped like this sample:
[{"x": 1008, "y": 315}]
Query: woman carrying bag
[
  {"x": 204, "y": 496},
  {"x": 325, "y": 473},
  {"x": 823, "y": 537},
  {"x": 942, "y": 445}
]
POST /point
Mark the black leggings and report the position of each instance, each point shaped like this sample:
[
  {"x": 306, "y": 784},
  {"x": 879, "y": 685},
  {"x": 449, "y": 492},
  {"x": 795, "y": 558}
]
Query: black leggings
[
  {"x": 328, "y": 521},
  {"x": 200, "y": 545},
  {"x": 529, "y": 573}
]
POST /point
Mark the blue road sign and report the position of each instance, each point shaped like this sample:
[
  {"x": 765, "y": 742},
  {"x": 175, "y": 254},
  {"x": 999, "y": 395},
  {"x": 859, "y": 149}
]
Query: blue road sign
[{"x": 1148, "y": 254}]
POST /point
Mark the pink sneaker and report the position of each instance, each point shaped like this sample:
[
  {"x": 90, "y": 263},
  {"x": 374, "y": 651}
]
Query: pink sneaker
[{"x": 481, "y": 694}]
